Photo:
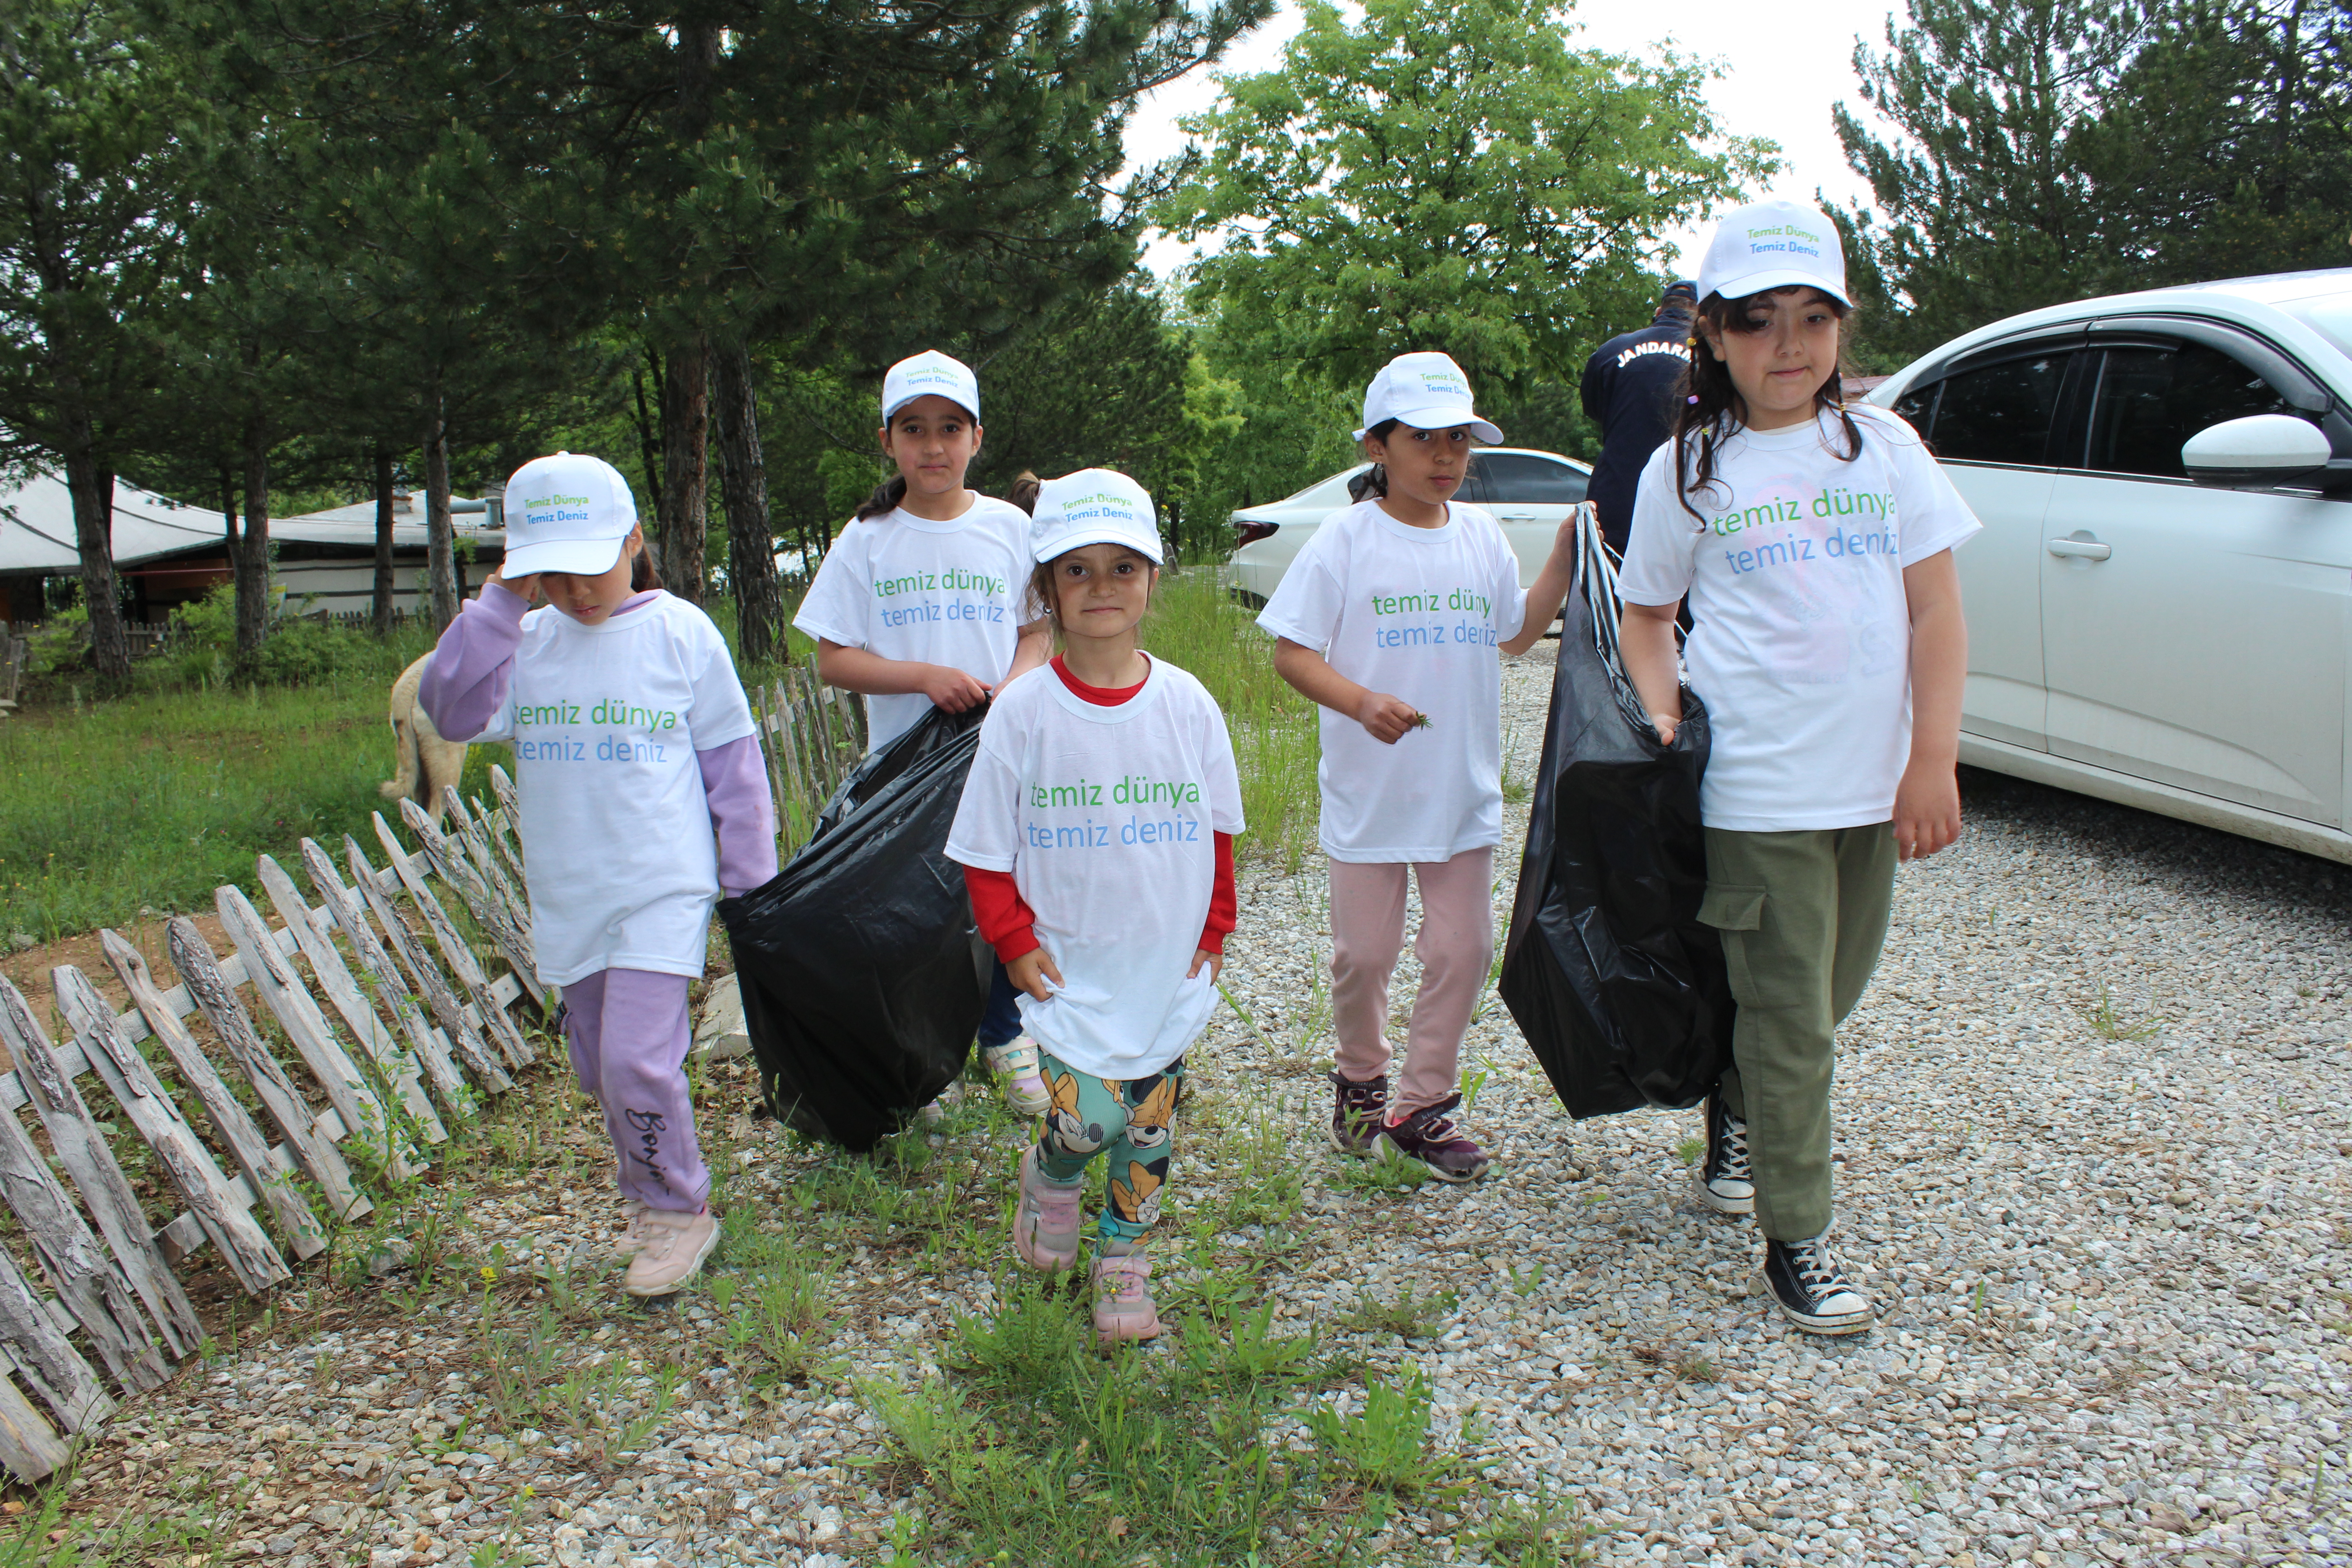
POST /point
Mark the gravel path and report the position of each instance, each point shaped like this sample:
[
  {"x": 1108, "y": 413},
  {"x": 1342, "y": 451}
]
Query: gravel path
[{"x": 2093, "y": 1139}]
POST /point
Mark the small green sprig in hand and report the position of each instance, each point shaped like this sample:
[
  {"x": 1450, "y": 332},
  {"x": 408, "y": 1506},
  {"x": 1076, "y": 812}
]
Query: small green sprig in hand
[{"x": 1421, "y": 722}]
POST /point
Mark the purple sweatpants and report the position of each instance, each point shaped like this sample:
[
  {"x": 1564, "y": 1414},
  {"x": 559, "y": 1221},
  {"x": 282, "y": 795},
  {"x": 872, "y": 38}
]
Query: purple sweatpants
[{"x": 628, "y": 1033}]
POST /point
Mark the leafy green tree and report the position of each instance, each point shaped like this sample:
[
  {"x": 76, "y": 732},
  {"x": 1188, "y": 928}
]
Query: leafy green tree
[
  {"x": 1098, "y": 383},
  {"x": 1984, "y": 205},
  {"x": 1446, "y": 175},
  {"x": 95, "y": 128},
  {"x": 2052, "y": 150},
  {"x": 2226, "y": 148}
]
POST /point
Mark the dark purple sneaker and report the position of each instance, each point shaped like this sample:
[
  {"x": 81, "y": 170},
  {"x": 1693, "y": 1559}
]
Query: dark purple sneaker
[
  {"x": 1432, "y": 1136},
  {"x": 1356, "y": 1112}
]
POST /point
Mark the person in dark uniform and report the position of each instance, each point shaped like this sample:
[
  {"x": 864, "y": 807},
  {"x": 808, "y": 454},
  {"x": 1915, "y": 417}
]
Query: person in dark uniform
[{"x": 1629, "y": 391}]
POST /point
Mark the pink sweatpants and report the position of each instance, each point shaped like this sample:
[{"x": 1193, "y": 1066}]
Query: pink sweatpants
[{"x": 1455, "y": 944}]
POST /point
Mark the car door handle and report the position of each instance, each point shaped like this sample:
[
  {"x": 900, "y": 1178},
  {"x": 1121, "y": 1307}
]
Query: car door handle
[{"x": 2086, "y": 549}]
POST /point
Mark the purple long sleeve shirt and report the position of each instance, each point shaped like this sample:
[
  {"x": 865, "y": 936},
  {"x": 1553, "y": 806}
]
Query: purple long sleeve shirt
[{"x": 473, "y": 666}]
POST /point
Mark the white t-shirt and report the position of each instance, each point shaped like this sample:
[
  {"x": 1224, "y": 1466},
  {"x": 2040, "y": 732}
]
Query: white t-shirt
[
  {"x": 1106, "y": 818},
  {"x": 617, "y": 832},
  {"x": 1415, "y": 613},
  {"x": 1801, "y": 646},
  {"x": 904, "y": 587}
]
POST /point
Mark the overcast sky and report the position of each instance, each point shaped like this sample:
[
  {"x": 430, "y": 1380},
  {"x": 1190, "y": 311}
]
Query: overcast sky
[{"x": 1779, "y": 83}]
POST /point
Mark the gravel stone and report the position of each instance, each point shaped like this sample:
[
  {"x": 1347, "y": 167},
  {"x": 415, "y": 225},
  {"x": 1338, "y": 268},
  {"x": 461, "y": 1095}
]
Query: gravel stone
[{"x": 2093, "y": 1141}]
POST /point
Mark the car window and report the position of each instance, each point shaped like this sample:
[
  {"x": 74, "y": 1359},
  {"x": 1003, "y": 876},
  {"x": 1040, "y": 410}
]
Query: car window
[
  {"x": 2150, "y": 399},
  {"x": 1517, "y": 479},
  {"x": 1916, "y": 408},
  {"x": 1999, "y": 413}
]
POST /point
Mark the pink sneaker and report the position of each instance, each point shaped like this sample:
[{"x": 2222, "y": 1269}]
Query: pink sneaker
[
  {"x": 1045, "y": 1219},
  {"x": 633, "y": 1238},
  {"x": 1124, "y": 1309},
  {"x": 675, "y": 1246}
]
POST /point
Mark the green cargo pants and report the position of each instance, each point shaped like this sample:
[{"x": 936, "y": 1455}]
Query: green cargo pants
[{"x": 1803, "y": 916}]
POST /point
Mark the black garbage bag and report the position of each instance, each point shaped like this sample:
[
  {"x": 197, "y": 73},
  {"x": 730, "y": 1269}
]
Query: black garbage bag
[
  {"x": 1613, "y": 981},
  {"x": 863, "y": 976}
]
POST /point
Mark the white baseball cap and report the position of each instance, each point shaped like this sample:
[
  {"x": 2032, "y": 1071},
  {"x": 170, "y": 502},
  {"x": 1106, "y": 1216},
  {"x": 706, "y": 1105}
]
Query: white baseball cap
[
  {"x": 1774, "y": 245},
  {"x": 1426, "y": 391},
  {"x": 1093, "y": 506},
  {"x": 928, "y": 374},
  {"x": 568, "y": 512}
]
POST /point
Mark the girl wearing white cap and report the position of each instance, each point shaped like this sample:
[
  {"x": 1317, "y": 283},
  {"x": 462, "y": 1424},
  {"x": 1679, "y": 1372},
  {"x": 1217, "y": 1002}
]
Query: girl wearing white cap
[
  {"x": 923, "y": 602},
  {"x": 1813, "y": 540},
  {"x": 644, "y": 797},
  {"x": 1096, "y": 833},
  {"x": 1390, "y": 618}
]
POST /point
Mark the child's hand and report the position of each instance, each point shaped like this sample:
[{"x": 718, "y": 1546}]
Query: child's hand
[
  {"x": 951, "y": 691},
  {"x": 1215, "y": 961},
  {"x": 1033, "y": 972},
  {"x": 1927, "y": 810},
  {"x": 1386, "y": 717},
  {"x": 526, "y": 586},
  {"x": 1666, "y": 728}
]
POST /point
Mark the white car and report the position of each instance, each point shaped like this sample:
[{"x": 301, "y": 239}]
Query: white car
[
  {"x": 2159, "y": 606},
  {"x": 1529, "y": 492}
]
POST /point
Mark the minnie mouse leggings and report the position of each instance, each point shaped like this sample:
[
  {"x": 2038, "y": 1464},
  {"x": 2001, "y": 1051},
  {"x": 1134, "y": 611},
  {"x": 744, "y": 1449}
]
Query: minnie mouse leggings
[{"x": 1130, "y": 1119}]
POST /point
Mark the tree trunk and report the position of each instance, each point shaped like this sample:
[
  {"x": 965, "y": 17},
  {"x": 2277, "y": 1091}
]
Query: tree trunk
[
  {"x": 249, "y": 564},
  {"x": 648, "y": 430},
  {"x": 440, "y": 536},
  {"x": 91, "y": 482},
  {"x": 685, "y": 468},
  {"x": 743, "y": 485},
  {"x": 381, "y": 605}
]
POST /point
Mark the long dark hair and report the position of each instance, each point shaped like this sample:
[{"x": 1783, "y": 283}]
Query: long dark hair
[
  {"x": 885, "y": 498},
  {"x": 1711, "y": 408},
  {"x": 642, "y": 575},
  {"x": 1374, "y": 481}
]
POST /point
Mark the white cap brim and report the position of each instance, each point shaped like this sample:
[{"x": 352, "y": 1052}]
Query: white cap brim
[
  {"x": 1445, "y": 416},
  {"x": 892, "y": 412},
  {"x": 573, "y": 557},
  {"x": 1079, "y": 538},
  {"x": 1780, "y": 278}
]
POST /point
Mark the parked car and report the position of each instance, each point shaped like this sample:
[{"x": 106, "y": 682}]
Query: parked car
[
  {"x": 2160, "y": 605},
  {"x": 1529, "y": 492}
]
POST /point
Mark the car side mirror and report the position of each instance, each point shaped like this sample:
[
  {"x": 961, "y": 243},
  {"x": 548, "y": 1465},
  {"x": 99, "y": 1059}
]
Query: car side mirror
[{"x": 2256, "y": 452}]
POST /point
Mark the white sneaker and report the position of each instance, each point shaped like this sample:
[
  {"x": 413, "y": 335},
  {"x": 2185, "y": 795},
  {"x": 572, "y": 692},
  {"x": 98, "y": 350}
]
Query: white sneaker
[
  {"x": 632, "y": 1234},
  {"x": 1014, "y": 1063}
]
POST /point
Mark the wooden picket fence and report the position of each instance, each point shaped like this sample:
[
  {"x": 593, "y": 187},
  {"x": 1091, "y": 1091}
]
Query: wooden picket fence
[
  {"x": 813, "y": 734},
  {"x": 411, "y": 1035}
]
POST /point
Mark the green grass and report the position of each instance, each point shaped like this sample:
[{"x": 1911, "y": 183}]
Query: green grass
[
  {"x": 153, "y": 801},
  {"x": 1199, "y": 628}
]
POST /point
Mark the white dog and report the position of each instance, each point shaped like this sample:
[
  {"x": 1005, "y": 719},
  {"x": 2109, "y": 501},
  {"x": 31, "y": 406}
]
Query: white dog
[{"x": 426, "y": 760}]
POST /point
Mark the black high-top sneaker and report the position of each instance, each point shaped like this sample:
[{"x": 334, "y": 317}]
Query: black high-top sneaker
[
  {"x": 1723, "y": 1181},
  {"x": 1812, "y": 1289},
  {"x": 1356, "y": 1112}
]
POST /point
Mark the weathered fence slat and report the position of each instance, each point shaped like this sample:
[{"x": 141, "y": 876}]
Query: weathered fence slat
[
  {"x": 432, "y": 1048},
  {"x": 246, "y": 1144},
  {"x": 67, "y": 1383},
  {"x": 151, "y": 1109},
  {"x": 502, "y": 825},
  {"x": 458, "y": 1023},
  {"x": 93, "y": 1289},
  {"x": 315, "y": 1153},
  {"x": 81, "y": 1150},
  {"x": 460, "y": 957},
  {"x": 474, "y": 890},
  {"x": 473, "y": 831},
  {"x": 281, "y": 990},
  {"x": 396, "y": 1069},
  {"x": 28, "y": 1448}
]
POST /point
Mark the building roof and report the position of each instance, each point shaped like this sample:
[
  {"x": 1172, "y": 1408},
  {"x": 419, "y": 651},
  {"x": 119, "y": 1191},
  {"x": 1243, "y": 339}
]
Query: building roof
[{"x": 37, "y": 527}]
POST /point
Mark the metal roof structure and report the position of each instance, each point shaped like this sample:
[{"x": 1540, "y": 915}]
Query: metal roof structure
[{"x": 37, "y": 527}]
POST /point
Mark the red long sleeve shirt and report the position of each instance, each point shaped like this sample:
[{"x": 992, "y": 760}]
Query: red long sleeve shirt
[{"x": 1006, "y": 919}]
